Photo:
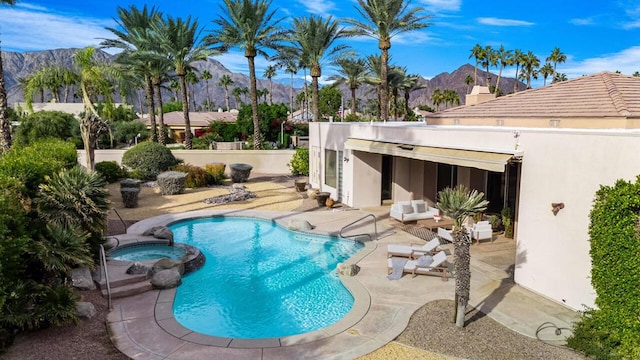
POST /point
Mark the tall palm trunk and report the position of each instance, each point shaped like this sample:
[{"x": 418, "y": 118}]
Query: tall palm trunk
[
  {"x": 226, "y": 98},
  {"x": 407, "y": 109},
  {"x": 305, "y": 103},
  {"x": 151, "y": 107},
  {"x": 315, "y": 73},
  {"x": 185, "y": 111},
  {"x": 515, "y": 83},
  {"x": 353, "y": 101},
  {"x": 462, "y": 260},
  {"x": 291, "y": 94},
  {"x": 5, "y": 126},
  {"x": 161, "y": 134},
  {"x": 253, "y": 89},
  {"x": 270, "y": 92},
  {"x": 384, "y": 86}
]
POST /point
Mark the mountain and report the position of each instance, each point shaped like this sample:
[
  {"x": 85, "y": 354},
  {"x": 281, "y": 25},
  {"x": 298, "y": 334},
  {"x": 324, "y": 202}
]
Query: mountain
[{"x": 22, "y": 65}]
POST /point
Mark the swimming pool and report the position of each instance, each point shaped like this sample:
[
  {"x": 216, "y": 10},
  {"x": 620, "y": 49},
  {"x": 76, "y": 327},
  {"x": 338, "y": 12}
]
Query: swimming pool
[{"x": 260, "y": 280}]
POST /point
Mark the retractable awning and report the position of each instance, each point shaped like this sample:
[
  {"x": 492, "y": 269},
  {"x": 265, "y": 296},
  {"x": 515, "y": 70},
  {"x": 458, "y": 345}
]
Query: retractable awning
[{"x": 490, "y": 161}]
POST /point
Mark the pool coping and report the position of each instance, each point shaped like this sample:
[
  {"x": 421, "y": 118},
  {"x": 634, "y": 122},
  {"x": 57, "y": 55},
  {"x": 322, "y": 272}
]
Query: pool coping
[{"x": 163, "y": 308}]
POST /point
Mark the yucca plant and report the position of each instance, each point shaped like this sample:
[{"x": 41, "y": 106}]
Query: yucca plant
[{"x": 459, "y": 203}]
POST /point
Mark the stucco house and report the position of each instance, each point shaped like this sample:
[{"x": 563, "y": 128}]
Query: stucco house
[
  {"x": 198, "y": 121},
  {"x": 526, "y": 151}
]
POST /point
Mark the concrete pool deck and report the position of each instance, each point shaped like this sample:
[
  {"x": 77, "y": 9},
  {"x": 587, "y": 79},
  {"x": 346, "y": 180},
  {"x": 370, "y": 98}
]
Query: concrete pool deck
[{"x": 142, "y": 326}]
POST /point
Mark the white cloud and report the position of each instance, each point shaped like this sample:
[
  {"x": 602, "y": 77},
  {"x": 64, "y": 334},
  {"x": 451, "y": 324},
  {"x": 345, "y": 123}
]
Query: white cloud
[
  {"x": 29, "y": 28},
  {"x": 625, "y": 61},
  {"x": 631, "y": 25},
  {"x": 503, "y": 22},
  {"x": 582, "y": 22},
  {"x": 322, "y": 8},
  {"x": 412, "y": 38},
  {"x": 437, "y": 6},
  {"x": 236, "y": 62}
]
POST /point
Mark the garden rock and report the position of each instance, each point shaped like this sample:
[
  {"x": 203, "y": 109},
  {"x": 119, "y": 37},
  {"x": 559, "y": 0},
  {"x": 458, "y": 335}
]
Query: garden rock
[
  {"x": 85, "y": 309},
  {"x": 166, "y": 279},
  {"x": 237, "y": 193},
  {"x": 160, "y": 232},
  {"x": 81, "y": 279},
  {"x": 299, "y": 225},
  {"x": 348, "y": 270},
  {"x": 168, "y": 264},
  {"x": 138, "y": 269}
]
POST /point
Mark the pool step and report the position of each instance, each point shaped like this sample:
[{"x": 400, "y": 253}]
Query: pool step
[
  {"x": 118, "y": 280},
  {"x": 128, "y": 289}
]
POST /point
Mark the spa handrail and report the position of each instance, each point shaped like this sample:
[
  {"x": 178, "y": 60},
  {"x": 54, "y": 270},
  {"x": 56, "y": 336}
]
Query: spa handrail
[
  {"x": 103, "y": 264},
  {"x": 375, "y": 227},
  {"x": 124, "y": 223}
]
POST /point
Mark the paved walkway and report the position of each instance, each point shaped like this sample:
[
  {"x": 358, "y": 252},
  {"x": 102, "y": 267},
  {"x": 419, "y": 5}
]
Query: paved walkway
[{"x": 142, "y": 326}]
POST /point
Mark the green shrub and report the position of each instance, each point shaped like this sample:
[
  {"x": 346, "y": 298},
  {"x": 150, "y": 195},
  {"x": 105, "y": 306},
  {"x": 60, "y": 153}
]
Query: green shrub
[
  {"x": 125, "y": 132},
  {"x": 148, "y": 159},
  {"x": 613, "y": 329},
  {"x": 196, "y": 176},
  {"x": 200, "y": 143},
  {"x": 216, "y": 173},
  {"x": 299, "y": 163},
  {"x": 172, "y": 182},
  {"x": 111, "y": 171},
  {"x": 48, "y": 124},
  {"x": 63, "y": 151}
]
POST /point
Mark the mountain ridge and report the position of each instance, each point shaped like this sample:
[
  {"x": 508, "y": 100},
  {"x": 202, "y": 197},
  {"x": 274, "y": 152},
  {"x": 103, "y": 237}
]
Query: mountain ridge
[{"x": 21, "y": 65}]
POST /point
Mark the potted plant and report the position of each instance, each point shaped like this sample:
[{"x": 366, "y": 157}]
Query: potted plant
[
  {"x": 507, "y": 222},
  {"x": 322, "y": 197},
  {"x": 301, "y": 184}
]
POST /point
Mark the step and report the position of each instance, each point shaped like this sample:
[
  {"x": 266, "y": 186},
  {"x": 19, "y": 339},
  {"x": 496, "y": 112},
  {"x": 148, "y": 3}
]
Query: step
[
  {"x": 128, "y": 290},
  {"x": 123, "y": 280}
]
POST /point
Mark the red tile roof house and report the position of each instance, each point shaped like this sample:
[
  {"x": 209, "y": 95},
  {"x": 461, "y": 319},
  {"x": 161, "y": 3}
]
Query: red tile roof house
[
  {"x": 526, "y": 151},
  {"x": 199, "y": 121}
]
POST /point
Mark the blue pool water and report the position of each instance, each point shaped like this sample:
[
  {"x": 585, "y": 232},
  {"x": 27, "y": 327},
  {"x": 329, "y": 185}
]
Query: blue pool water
[
  {"x": 260, "y": 280},
  {"x": 146, "y": 252}
]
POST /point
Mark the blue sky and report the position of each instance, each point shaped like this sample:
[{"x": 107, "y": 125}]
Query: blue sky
[{"x": 595, "y": 36}]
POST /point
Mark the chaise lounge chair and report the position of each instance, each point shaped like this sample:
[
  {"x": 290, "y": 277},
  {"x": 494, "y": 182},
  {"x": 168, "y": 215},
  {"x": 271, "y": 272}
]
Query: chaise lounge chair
[
  {"x": 413, "y": 250},
  {"x": 414, "y": 267}
]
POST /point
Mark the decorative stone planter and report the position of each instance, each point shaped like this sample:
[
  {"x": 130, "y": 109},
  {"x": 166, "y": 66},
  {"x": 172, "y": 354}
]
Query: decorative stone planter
[
  {"x": 130, "y": 183},
  {"x": 322, "y": 197},
  {"x": 129, "y": 196},
  {"x": 240, "y": 172},
  {"x": 301, "y": 185}
]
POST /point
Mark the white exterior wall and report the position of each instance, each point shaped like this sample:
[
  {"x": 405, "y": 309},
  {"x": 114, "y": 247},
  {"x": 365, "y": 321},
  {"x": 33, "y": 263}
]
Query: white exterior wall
[
  {"x": 263, "y": 161},
  {"x": 558, "y": 165}
]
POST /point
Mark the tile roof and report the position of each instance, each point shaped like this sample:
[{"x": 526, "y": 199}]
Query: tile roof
[
  {"x": 197, "y": 119},
  {"x": 600, "y": 95}
]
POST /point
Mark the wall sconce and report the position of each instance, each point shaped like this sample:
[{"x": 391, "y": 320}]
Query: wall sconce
[{"x": 555, "y": 207}]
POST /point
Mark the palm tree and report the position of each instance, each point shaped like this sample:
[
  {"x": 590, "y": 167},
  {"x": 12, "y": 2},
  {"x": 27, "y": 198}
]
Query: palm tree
[
  {"x": 489, "y": 58},
  {"x": 269, "y": 73},
  {"x": 383, "y": 19},
  {"x": 476, "y": 53},
  {"x": 251, "y": 26},
  {"x": 134, "y": 35},
  {"x": 226, "y": 81},
  {"x": 409, "y": 85},
  {"x": 636, "y": 74},
  {"x": 374, "y": 66},
  {"x": 312, "y": 38},
  {"x": 530, "y": 64},
  {"x": 518, "y": 58},
  {"x": 351, "y": 72},
  {"x": 458, "y": 204},
  {"x": 556, "y": 57},
  {"x": 437, "y": 98},
  {"x": 468, "y": 80},
  {"x": 181, "y": 43},
  {"x": 290, "y": 67},
  {"x": 505, "y": 58},
  {"x": 192, "y": 79},
  {"x": 396, "y": 79},
  {"x": 558, "y": 77},
  {"x": 206, "y": 76},
  {"x": 546, "y": 71},
  {"x": 5, "y": 125},
  {"x": 94, "y": 83},
  {"x": 237, "y": 93},
  {"x": 451, "y": 97}
]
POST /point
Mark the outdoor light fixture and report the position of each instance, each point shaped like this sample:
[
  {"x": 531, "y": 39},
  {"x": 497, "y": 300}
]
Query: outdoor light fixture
[
  {"x": 345, "y": 159},
  {"x": 555, "y": 208}
]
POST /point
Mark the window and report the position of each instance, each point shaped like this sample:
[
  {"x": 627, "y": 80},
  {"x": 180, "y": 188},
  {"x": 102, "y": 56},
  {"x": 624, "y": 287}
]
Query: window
[{"x": 330, "y": 168}]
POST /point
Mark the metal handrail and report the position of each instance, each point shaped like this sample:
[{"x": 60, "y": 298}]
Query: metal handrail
[
  {"x": 103, "y": 264},
  {"x": 375, "y": 227},
  {"x": 124, "y": 223}
]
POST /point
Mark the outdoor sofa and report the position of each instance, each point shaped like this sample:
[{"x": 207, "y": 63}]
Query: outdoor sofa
[{"x": 412, "y": 210}]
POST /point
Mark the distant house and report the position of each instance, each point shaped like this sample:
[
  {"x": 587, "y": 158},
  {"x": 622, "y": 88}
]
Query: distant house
[
  {"x": 199, "y": 121},
  {"x": 71, "y": 108},
  {"x": 529, "y": 151}
]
